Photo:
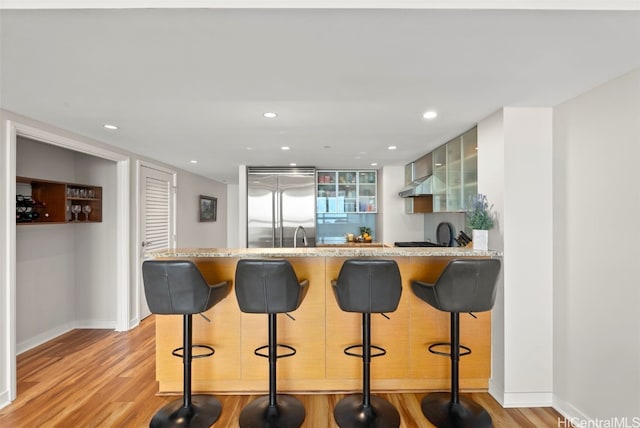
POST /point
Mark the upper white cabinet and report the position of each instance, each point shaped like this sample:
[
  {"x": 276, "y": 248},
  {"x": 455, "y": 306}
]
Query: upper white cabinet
[{"x": 347, "y": 191}]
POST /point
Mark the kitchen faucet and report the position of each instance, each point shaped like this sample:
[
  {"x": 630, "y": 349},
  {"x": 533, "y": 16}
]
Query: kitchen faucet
[{"x": 304, "y": 236}]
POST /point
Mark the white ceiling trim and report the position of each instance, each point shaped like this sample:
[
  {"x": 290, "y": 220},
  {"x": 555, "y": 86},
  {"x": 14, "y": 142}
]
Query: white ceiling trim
[{"x": 327, "y": 4}]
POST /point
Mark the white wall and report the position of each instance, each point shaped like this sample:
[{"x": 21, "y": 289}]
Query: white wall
[
  {"x": 515, "y": 172},
  {"x": 491, "y": 183},
  {"x": 242, "y": 206},
  {"x": 393, "y": 223},
  {"x": 191, "y": 232},
  {"x": 233, "y": 217},
  {"x": 7, "y": 273},
  {"x": 596, "y": 286}
]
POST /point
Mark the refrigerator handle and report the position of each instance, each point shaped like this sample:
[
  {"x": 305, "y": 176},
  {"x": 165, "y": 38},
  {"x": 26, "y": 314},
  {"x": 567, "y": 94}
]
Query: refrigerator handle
[
  {"x": 273, "y": 218},
  {"x": 280, "y": 218}
]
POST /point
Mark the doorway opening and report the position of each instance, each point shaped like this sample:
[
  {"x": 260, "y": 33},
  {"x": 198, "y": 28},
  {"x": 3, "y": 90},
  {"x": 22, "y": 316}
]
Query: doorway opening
[{"x": 120, "y": 257}]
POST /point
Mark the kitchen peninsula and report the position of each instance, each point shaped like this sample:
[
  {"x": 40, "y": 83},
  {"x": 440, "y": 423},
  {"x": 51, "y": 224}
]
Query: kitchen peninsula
[{"x": 321, "y": 330}]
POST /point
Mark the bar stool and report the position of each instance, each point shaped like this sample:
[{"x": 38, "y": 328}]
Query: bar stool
[
  {"x": 270, "y": 287},
  {"x": 367, "y": 286},
  {"x": 176, "y": 287},
  {"x": 466, "y": 285}
]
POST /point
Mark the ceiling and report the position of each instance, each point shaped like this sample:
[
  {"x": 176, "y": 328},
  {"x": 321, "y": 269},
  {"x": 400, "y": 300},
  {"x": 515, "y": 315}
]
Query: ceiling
[{"x": 193, "y": 84}]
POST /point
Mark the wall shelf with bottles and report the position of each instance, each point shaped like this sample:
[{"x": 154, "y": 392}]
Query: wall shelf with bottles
[
  {"x": 53, "y": 202},
  {"x": 347, "y": 191}
]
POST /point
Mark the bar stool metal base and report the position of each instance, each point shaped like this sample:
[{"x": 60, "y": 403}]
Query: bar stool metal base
[
  {"x": 350, "y": 412},
  {"x": 288, "y": 413},
  {"x": 441, "y": 412},
  {"x": 203, "y": 412}
]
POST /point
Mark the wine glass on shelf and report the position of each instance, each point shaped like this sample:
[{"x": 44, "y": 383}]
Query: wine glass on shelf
[
  {"x": 75, "y": 210},
  {"x": 86, "y": 210}
]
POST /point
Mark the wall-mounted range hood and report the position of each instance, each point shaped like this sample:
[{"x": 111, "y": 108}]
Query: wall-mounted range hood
[
  {"x": 420, "y": 173},
  {"x": 418, "y": 187}
]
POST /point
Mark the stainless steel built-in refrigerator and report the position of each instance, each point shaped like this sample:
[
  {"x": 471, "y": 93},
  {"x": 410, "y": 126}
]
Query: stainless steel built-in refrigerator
[{"x": 280, "y": 203}]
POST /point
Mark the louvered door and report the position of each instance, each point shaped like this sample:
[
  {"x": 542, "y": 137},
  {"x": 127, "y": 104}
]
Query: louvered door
[{"x": 156, "y": 216}]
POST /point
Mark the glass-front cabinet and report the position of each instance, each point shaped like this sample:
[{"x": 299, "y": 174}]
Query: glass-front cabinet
[
  {"x": 440, "y": 179},
  {"x": 347, "y": 191},
  {"x": 469, "y": 165},
  {"x": 462, "y": 170},
  {"x": 455, "y": 173}
]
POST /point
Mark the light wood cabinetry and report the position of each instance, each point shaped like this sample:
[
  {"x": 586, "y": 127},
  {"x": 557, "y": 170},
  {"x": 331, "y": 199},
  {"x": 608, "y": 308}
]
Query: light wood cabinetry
[
  {"x": 320, "y": 333},
  {"x": 347, "y": 191},
  {"x": 49, "y": 202}
]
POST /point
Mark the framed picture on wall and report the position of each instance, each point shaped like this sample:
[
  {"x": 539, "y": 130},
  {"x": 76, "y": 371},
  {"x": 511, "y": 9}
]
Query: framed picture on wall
[{"x": 208, "y": 208}]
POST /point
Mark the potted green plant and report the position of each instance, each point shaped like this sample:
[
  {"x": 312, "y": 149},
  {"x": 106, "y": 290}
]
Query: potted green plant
[{"x": 480, "y": 219}]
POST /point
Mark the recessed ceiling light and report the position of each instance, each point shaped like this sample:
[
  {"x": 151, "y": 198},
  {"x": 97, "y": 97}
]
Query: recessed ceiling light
[
  {"x": 392, "y": 147},
  {"x": 438, "y": 164},
  {"x": 193, "y": 161},
  {"x": 292, "y": 164},
  {"x": 374, "y": 163},
  {"x": 430, "y": 114},
  {"x": 285, "y": 148},
  {"x": 111, "y": 127},
  {"x": 269, "y": 115},
  {"x": 249, "y": 148}
]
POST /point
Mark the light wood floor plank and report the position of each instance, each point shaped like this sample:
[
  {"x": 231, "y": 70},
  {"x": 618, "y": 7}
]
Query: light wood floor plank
[{"x": 102, "y": 378}]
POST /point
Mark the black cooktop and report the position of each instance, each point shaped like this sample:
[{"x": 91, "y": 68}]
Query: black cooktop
[{"x": 417, "y": 244}]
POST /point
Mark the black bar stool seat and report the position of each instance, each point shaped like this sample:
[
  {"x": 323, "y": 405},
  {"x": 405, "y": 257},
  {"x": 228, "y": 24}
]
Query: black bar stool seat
[
  {"x": 465, "y": 285},
  {"x": 176, "y": 287},
  {"x": 270, "y": 287},
  {"x": 367, "y": 286}
]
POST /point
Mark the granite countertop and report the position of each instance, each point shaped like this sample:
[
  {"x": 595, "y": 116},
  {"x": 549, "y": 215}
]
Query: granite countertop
[
  {"x": 353, "y": 244},
  {"x": 355, "y": 251}
]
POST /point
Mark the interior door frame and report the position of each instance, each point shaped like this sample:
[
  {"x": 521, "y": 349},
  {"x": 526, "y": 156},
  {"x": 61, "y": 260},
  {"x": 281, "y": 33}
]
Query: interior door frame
[
  {"x": 138, "y": 230},
  {"x": 15, "y": 128}
]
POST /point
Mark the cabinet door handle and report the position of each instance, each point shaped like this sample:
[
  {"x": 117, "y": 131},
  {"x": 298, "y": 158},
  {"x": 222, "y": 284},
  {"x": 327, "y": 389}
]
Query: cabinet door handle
[{"x": 146, "y": 243}]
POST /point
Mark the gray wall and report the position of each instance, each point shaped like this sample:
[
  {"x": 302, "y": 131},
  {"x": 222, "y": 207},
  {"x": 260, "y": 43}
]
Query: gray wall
[
  {"x": 191, "y": 232},
  {"x": 96, "y": 248},
  {"x": 596, "y": 288},
  {"x": 64, "y": 272},
  {"x": 78, "y": 260}
]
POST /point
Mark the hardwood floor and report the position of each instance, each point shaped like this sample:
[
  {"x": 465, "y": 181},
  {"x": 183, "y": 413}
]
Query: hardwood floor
[{"x": 101, "y": 378}]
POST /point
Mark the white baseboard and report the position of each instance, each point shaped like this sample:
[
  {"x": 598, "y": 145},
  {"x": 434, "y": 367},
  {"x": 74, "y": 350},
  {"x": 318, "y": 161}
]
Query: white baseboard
[
  {"x": 519, "y": 399},
  {"x": 528, "y": 399},
  {"x": 133, "y": 323},
  {"x": 496, "y": 391},
  {"x": 568, "y": 411},
  {"x": 99, "y": 324},
  {"x": 48, "y": 335},
  {"x": 43, "y": 337},
  {"x": 4, "y": 399}
]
